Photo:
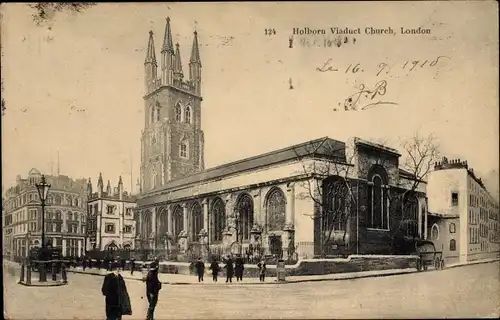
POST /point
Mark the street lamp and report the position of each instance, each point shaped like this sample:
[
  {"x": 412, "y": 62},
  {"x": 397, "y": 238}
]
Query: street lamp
[{"x": 43, "y": 190}]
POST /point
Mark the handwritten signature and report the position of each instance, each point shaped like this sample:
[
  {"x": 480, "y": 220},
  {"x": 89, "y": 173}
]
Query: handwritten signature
[{"x": 353, "y": 101}]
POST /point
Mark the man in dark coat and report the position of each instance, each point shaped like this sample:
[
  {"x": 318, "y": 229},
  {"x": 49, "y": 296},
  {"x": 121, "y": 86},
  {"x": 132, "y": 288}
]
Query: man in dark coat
[
  {"x": 229, "y": 269},
  {"x": 153, "y": 287},
  {"x": 110, "y": 289},
  {"x": 200, "y": 269},
  {"x": 214, "y": 266},
  {"x": 132, "y": 266},
  {"x": 238, "y": 268}
]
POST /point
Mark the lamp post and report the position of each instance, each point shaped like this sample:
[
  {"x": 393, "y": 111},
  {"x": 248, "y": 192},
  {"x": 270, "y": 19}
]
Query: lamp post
[{"x": 43, "y": 191}]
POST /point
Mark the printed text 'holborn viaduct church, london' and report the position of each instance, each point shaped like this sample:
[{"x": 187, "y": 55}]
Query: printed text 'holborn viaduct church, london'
[{"x": 275, "y": 202}]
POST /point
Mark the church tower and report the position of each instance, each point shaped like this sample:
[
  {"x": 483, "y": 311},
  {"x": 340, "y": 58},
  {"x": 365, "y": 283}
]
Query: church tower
[{"x": 172, "y": 141}]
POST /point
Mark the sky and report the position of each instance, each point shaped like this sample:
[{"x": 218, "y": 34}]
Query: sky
[{"x": 76, "y": 89}]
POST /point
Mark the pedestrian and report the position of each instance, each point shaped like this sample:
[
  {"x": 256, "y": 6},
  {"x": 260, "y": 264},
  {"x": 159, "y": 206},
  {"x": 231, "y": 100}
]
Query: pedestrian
[
  {"x": 123, "y": 263},
  {"x": 98, "y": 263},
  {"x": 153, "y": 287},
  {"x": 262, "y": 270},
  {"x": 229, "y": 269},
  {"x": 200, "y": 269},
  {"x": 238, "y": 268},
  {"x": 132, "y": 266},
  {"x": 110, "y": 289},
  {"x": 84, "y": 263},
  {"x": 214, "y": 266}
]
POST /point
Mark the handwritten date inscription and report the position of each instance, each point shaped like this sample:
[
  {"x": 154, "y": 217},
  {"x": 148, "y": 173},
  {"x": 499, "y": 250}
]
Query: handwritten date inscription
[
  {"x": 365, "y": 98},
  {"x": 382, "y": 68}
]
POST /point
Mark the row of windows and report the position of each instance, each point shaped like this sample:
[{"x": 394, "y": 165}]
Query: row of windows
[
  {"x": 110, "y": 209},
  {"x": 180, "y": 115},
  {"x": 110, "y": 228},
  {"x": 52, "y": 198},
  {"x": 58, "y": 227},
  {"x": 473, "y": 235},
  {"x": 275, "y": 208}
]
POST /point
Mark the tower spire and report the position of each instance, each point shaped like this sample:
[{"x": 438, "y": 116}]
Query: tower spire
[
  {"x": 150, "y": 54},
  {"x": 58, "y": 163},
  {"x": 195, "y": 51},
  {"x": 178, "y": 62},
  {"x": 167, "y": 39}
]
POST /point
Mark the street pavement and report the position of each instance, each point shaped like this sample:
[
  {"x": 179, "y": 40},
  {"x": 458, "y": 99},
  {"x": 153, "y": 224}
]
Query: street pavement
[{"x": 468, "y": 291}]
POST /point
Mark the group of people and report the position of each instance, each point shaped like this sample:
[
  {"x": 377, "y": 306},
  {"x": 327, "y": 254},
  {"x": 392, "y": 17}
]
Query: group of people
[
  {"x": 116, "y": 295},
  {"x": 233, "y": 268},
  {"x": 118, "y": 300}
]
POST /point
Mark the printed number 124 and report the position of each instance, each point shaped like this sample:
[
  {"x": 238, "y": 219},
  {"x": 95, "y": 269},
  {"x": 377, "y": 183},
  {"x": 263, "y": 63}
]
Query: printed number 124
[{"x": 269, "y": 32}]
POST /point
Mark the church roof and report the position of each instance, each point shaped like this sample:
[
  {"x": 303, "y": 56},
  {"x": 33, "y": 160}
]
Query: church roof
[
  {"x": 34, "y": 171},
  {"x": 323, "y": 147}
]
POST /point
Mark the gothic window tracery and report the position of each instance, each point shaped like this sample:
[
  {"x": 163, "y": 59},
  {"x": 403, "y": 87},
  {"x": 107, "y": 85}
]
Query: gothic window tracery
[
  {"x": 178, "y": 112},
  {"x": 276, "y": 210},
  {"x": 187, "y": 114},
  {"x": 244, "y": 208},
  {"x": 197, "y": 221},
  {"x": 178, "y": 220},
  {"x": 378, "y": 201},
  {"x": 162, "y": 221},
  {"x": 184, "y": 149},
  {"x": 218, "y": 219}
]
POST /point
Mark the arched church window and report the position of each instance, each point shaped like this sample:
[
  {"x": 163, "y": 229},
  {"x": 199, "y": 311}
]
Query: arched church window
[
  {"x": 157, "y": 112},
  {"x": 184, "y": 149},
  {"x": 378, "y": 214},
  {"x": 276, "y": 210},
  {"x": 410, "y": 214},
  {"x": 153, "y": 179},
  {"x": 244, "y": 208},
  {"x": 178, "y": 218},
  {"x": 338, "y": 206},
  {"x": 152, "y": 114},
  {"x": 178, "y": 112},
  {"x": 218, "y": 217},
  {"x": 162, "y": 221},
  {"x": 453, "y": 245},
  {"x": 187, "y": 114},
  {"x": 435, "y": 232},
  {"x": 197, "y": 221}
]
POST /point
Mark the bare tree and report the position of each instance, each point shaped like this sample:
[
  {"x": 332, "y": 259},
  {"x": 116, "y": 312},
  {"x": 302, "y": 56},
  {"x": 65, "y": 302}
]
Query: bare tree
[{"x": 321, "y": 159}]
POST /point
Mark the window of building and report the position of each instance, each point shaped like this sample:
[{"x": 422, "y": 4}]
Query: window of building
[
  {"x": 110, "y": 209},
  {"x": 33, "y": 213},
  {"x": 183, "y": 149},
  {"x": 453, "y": 245},
  {"x": 96, "y": 209},
  {"x": 245, "y": 216},
  {"x": 127, "y": 229},
  {"x": 157, "y": 111},
  {"x": 435, "y": 232},
  {"x": 153, "y": 179},
  {"x": 196, "y": 221},
  {"x": 452, "y": 228},
  {"x": 454, "y": 198},
  {"x": 128, "y": 211},
  {"x": 178, "y": 112},
  {"x": 378, "y": 213},
  {"x": 178, "y": 218},
  {"x": 152, "y": 114},
  {"x": 218, "y": 219},
  {"x": 187, "y": 114},
  {"x": 276, "y": 210},
  {"x": 109, "y": 228}
]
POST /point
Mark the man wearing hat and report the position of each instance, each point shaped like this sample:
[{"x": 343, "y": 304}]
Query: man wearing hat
[{"x": 153, "y": 287}]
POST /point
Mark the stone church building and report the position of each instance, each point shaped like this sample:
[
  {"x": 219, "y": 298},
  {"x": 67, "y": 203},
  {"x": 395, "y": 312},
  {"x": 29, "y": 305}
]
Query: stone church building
[{"x": 320, "y": 197}]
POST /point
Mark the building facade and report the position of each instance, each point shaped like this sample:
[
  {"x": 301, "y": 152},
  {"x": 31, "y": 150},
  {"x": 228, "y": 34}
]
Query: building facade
[
  {"x": 65, "y": 218},
  {"x": 278, "y": 202},
  {"x": 456, "y": 194},
  {"x": 111, "y": 224}
]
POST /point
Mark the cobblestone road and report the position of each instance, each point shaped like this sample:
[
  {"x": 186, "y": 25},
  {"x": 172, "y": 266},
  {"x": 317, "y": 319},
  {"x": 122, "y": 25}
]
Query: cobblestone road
[{"x": 470, "y": 291}]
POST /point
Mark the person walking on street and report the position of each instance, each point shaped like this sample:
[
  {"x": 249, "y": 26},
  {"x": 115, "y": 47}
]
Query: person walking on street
[
  {"x": 132, "y": 266},
  {"x": 214, "y": 266},
  {"x": 229, "y": 269},
  {"x": 84, "y": 263},
  {"x": 110, "y": 289},
  {"x": 238, "y": 268},
  {"x": 153, "y": 287},
  {"x": 200, "y": 269},
  {"x": 262, "y": 270}
]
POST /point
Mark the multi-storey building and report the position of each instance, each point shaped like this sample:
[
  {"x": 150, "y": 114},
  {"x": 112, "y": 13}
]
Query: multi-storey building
[
  {"x": 65, "y": 219},
  {"x": 465, "y": 219},
  {"x": 260, "y": 201},
  {"x": 111, "y": 224}
]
